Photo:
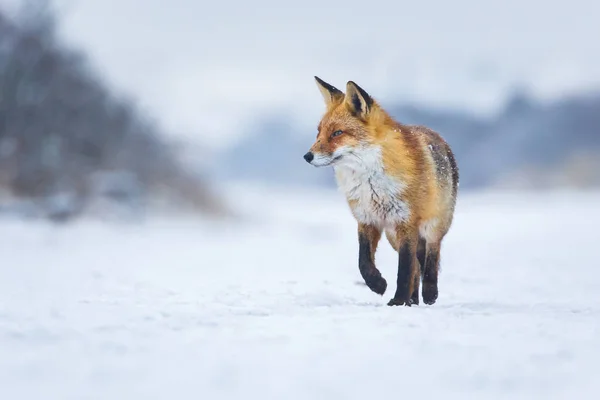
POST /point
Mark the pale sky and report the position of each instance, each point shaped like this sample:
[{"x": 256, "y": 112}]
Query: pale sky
[{"x": 208, "y": 67}]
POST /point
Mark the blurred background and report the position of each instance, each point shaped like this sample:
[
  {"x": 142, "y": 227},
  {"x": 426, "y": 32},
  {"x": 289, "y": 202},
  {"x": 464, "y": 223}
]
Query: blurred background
[
  {"x": 124, "y": 102},
  {"x": 161, "y": 234}
]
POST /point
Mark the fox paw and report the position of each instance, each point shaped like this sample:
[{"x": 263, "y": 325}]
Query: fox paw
[
  {"x": 430, "y": 293},
  {"x": 377, "y": 284},
  {"x": 399, "y": 302}
]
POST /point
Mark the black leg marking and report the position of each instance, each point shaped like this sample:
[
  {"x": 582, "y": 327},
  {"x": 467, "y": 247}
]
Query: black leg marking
[
  {"x": 430, "y": 276},
  {"x": 366, "y": 263},
  {"x": 407, "y": 260}
]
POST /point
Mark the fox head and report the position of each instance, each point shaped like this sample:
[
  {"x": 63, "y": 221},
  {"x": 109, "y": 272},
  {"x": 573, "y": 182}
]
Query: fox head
[{"x": 347, "y": 127}]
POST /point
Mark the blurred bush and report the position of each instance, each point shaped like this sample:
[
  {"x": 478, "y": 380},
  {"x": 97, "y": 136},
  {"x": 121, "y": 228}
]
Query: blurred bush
[{"x": 69, "y": 145}]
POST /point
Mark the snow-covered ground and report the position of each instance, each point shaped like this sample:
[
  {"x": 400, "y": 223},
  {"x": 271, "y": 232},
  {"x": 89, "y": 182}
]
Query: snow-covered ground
[{"x": 272, "y": 308}]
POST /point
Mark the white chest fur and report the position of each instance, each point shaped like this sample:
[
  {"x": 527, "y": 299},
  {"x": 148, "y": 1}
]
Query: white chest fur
[{"x": 374, "y": 195}]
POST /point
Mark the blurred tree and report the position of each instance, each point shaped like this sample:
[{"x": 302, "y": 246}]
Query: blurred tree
[{"x": 64, "y": 135}]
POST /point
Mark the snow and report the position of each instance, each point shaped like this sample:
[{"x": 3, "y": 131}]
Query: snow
[{"x": 271, "y": 307}]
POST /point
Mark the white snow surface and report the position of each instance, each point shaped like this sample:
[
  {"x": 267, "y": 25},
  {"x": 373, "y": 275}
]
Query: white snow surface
[{"x": 272, "y": 307}]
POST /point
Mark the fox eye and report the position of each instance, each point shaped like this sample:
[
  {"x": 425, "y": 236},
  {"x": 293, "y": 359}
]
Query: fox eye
[{"x": 336, "y": 133}]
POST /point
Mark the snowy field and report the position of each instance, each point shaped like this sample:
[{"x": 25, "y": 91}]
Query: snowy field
[{"x": 272, "y": 308}]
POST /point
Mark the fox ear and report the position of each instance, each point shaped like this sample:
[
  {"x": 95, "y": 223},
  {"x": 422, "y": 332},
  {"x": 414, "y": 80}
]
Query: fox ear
[
  {"x": 330, "y": 93},
  {"x": 358, "y": 101}
]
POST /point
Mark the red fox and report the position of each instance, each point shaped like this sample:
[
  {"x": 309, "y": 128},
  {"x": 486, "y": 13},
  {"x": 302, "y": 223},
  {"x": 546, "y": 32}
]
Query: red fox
[{"x": 398, "y": 179}]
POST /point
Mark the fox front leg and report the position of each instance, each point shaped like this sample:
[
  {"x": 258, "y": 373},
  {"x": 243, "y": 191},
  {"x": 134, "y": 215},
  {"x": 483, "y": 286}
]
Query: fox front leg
[
  {"x": 368, "y": 238},
  {"x": 407, "y": 267}
]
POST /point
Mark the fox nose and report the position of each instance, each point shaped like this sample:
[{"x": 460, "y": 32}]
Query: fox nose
[{"x": 309, "y": 157}]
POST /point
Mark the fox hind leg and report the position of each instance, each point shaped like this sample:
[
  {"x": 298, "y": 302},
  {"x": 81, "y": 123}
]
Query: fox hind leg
[{"x": 430, "y": 273}]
